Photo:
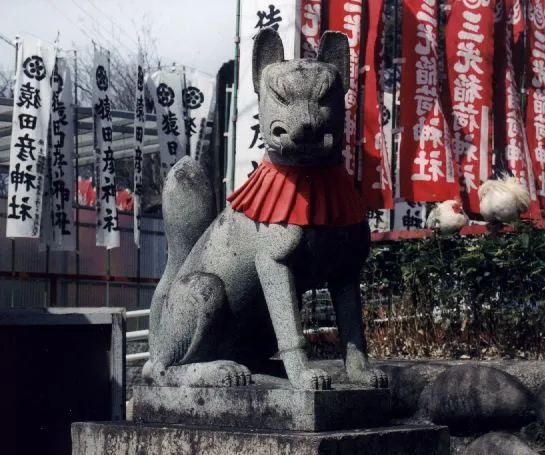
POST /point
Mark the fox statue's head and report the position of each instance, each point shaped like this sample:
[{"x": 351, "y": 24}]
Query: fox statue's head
[{"x": 301, "y": 102}]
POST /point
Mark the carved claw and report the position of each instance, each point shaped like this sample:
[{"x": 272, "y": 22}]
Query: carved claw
[
  {"x": 313, "y": 380},
  {"x": 370, "y": 377},
  {"x": 382, "y": 379},
  {"x": 236, "y": 375}
]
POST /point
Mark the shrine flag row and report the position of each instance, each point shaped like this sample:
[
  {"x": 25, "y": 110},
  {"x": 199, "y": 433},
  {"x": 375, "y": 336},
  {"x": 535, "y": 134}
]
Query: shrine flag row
[
  {"x": 459, "y": 120},
  {"x": 42, "y": 178}
]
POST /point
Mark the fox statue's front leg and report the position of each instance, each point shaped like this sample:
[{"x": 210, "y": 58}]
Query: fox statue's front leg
[
  {"x": 278, "y": 285},
  {"x": 345, "y": 294}
]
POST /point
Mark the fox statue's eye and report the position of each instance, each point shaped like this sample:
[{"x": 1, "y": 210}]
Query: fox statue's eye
[{"x": 280, "y": 97}]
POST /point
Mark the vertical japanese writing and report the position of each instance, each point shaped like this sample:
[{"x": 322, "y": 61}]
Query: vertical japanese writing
[
  {"x": 469, "y": 58},
  {"x": 379, "y": 220},
  {"x": 310, "y": 27},
  {"x": 426, "y": 166},
  {"x": 139, "y": 127},
  {"x": 61, "y": 166},
  {"x": 107, "y": 233},
  {"x": 272, "y": 17},
  {"x": 166, "y": 88},
  {"x": 374, "y": 168},
  {"x": 409, "y": 216},
  {"x": 345, "y": 16},
  {"x": 514, "y": 145},
  {"x": 535, "y": 115},
  {"x": 32, "y": 103},
  {"x": 352, "y": 27},
  {"x": 282, "y": 15},
  {"x": 197, "y": 98}
]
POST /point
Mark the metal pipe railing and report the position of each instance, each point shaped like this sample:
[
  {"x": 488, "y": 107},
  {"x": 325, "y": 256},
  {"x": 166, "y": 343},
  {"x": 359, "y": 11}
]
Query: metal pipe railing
[{"x": 137, "y": 335}]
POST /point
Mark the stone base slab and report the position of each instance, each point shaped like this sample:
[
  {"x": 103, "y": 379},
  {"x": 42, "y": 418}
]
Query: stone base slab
[
  {"x": 261, "y": 407},
  {"x": 131, "y": 438}
]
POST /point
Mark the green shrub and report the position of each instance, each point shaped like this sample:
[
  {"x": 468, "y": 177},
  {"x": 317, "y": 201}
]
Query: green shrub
[{"x": 481, "y": 295}]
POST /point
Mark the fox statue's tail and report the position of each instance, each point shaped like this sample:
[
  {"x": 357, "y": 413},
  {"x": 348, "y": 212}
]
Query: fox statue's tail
[{"x": 188, "y": 210}]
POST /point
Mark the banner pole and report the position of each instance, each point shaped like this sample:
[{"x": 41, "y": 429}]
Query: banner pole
[
  {"x": 108, "y": 251},
  {"x": 522, "y": 77},
  {"x": 358, "y": 153},
  {"x": 76, "y": 144},
  {"x": 394, "y": 170},
  {"x": 186, "y": 114},
  {"x": 12, "y": 303},
  {"x": 235, "y": 102}
]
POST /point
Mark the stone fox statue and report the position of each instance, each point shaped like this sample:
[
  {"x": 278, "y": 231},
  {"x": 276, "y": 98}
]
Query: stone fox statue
[{"x": 230, "y": 295}]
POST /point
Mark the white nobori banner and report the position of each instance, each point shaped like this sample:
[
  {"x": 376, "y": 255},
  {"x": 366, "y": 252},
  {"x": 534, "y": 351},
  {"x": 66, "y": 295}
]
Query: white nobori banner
[
  {"x": 166, "y": 90},
  {"x": 380, "y": 220},
  {"x": 58, "y": 230},
  {"x": 198, "y": 102},
  {"x": 29, "y": 136},
  {"x": 107, "y": 230},
  {"x": 284, "y": 16},
  {"x": 139, "y": 128}
]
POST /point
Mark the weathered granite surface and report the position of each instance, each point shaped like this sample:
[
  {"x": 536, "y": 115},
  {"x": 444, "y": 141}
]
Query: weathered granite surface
[
  {"x": 263, "y": 407},
  {"x": 129, "y": 438},
  {"x": 471, "y": 398},
  {"x": 229, "y": 298}
]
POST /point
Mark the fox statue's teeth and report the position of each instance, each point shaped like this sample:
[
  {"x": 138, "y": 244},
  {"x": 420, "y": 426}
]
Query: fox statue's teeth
[
  {"x": 328, "y": 141},
  {"x": 285, "y": 142}
]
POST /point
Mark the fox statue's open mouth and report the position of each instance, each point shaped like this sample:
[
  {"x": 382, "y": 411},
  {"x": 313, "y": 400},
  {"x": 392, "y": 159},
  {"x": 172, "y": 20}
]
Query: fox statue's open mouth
[{"x": 306, "y": 150}]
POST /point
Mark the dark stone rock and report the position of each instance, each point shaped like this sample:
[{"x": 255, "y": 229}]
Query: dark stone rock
[
  {"x": 61, "y": 365},
  {"x": 114, "y": 438},
  {"x": 541, "y": 402},
  {"x": 533, "y": 434},
  {"x": 407, "y": 383},
  {"x": 498, "y": 444},
  {"x": 473, "y": 398}
]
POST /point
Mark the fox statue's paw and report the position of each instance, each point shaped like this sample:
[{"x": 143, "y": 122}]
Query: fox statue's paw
[
  {"x": 220, "y": 373},
  {"x": 369, "y": 377},
  {"x": 359, "y": 370},
  {"x": 312, "y": 379}
]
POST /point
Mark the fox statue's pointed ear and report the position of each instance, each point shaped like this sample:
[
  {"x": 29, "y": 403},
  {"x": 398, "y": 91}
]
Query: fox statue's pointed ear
[
  {"x": 334, "y": 49},
  {"x": 268, "y": 48}
]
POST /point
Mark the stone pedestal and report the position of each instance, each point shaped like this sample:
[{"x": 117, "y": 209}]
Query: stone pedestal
[
  {"x": 131, "y": 438},
  {"x": 271, "y": 419},
  {"x": 260, "y": 407}
]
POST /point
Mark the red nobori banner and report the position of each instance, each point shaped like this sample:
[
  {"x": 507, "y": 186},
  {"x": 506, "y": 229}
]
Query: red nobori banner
[
  {"x": 311, "y": 18},
  {"x": 345, "y": 16},
  {"x": 535, "y": 111},
  {"x": 376, "y": 187},
  {"x": 469, "y": 47},
  {"x": 427, "y": 169},
  {"x": 509, "y": 138}
]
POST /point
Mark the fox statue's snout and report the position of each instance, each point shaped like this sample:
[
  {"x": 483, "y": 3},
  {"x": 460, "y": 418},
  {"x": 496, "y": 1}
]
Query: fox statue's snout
[{"x": 301, "y": 105}]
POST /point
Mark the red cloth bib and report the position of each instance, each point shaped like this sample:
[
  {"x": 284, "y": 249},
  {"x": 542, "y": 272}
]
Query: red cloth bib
[{"x": 299, "y": 195}]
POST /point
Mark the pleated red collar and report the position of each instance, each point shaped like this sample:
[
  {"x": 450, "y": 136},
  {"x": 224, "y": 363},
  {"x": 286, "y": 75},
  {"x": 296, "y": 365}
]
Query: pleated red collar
[{"x": 299, "y": 195}]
